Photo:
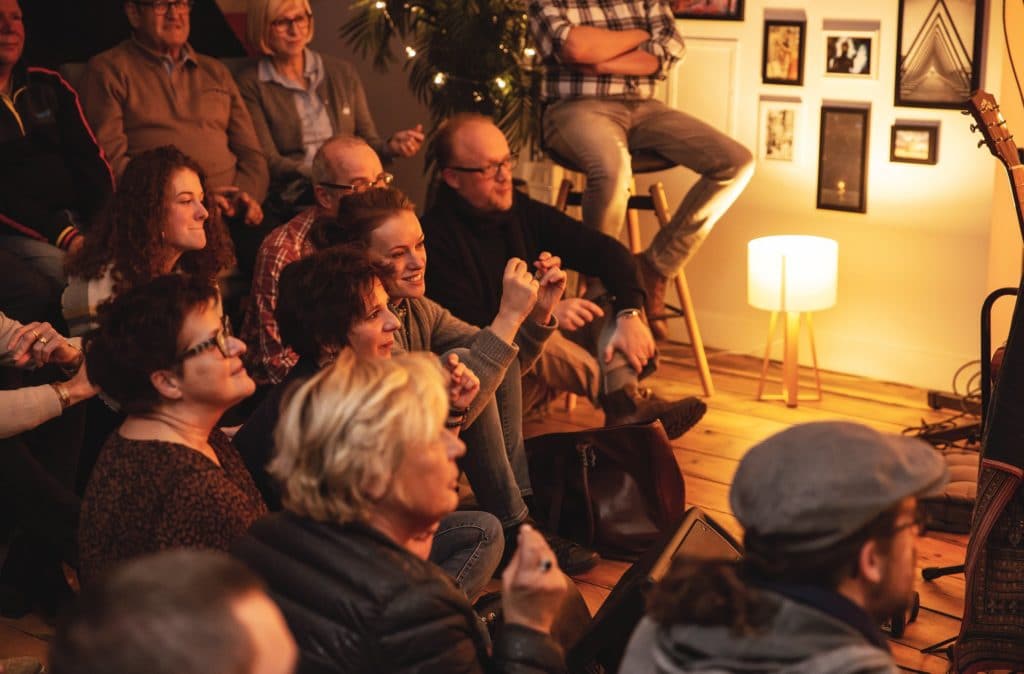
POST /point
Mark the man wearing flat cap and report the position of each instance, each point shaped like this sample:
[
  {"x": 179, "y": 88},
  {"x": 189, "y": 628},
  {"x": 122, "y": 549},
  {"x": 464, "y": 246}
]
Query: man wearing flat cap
[{"x": 830, "y": 520}]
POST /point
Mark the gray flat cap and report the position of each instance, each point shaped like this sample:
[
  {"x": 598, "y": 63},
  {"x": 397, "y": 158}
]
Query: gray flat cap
[{"x": 815, "y": 484}]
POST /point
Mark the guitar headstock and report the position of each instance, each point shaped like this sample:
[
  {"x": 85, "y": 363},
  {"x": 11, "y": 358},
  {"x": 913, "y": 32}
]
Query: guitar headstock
[{"x": 983, "y": 107}]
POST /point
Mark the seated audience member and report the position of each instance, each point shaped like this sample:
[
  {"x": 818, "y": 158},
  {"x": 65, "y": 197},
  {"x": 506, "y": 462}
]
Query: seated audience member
[
  {"x": 156, "y": 223},
  {"x": 332, "y": 300},
  {"x": 384, "y": 223},
  {"x": 53, "y": 178},
  {"x": 299, "y": 98},
  {"x": 167, "y": 477},
  {"x": 478, "y": 221},
  {"x": 177, "y": 612},
  {"x": 830, "y": 520},
  {"x": 602, "y": 63},
  {"x": 368, "y": 469},
  {"x": 344, "y": 165},
  {"x": 40, "y": 434},
  {"x": 153, "y": 89}
]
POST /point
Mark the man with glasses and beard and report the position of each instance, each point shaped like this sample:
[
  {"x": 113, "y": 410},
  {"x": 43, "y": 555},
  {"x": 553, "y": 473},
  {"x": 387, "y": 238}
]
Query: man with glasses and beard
[{"x": 830, "y": 520}]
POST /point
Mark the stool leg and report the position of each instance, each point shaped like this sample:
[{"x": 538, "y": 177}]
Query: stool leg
[
  {"x": 660, "y": 202},
  {"x": 561, "y": 203},
  {"x": 633, "y": 223}
]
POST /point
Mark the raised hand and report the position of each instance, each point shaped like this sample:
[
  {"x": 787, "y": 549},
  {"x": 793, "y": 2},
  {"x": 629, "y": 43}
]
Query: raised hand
[
  {"x": 518, "y": 296},
  {"x": 532, "y": 585},
  {"x": 40, "y": 343},
  {"x": 463, "y": 384},
  {"x": 408, "y": 142},
  {"x": 551, "y": 286}
]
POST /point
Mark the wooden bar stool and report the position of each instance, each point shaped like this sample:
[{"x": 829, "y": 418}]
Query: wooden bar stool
[{"x": 657, "y": 202}]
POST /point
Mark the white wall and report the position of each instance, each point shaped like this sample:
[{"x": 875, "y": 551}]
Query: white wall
[{"x": 913, "y": 269}]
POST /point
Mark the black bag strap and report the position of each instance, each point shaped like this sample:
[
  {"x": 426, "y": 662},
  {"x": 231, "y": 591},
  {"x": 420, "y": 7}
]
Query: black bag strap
[{"x": 587, "y": 456}]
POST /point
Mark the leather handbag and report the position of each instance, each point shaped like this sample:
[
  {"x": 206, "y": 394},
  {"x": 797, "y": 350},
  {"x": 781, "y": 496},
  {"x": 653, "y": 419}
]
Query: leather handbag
[{"x": 615, "y": 490}]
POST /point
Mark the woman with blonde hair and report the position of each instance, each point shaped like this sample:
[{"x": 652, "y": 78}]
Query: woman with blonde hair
[
  {"x": 368, "y": 469},
  {"x": 299, "y": 98}
]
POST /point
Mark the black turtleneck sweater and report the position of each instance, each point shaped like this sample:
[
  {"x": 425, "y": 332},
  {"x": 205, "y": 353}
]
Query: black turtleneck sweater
[{"x": 467, "y": 251}]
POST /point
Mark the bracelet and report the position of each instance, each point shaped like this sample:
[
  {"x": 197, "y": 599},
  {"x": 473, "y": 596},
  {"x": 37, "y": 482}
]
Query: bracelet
[
  {"x": 456, "y": 417},
  {"x": 628, "y": 313},
  {"x": 62, "y": 393}
]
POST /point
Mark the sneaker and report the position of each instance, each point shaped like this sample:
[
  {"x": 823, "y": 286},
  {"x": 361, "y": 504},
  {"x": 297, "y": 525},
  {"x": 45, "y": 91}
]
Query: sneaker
[
  {"x": 573, "y": 558},
  {"x": 654, "y": 285},
  {"x": 636, "y": 405}
]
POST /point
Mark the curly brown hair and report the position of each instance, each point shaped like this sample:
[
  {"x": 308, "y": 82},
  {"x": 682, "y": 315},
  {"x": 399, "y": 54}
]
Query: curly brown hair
[
  {"x": 358, "y": 215},
  {"x": 127, "y": 235}
]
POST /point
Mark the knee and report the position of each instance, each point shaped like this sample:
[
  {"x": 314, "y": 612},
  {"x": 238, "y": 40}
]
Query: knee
[{"x": 737, "y": 163}]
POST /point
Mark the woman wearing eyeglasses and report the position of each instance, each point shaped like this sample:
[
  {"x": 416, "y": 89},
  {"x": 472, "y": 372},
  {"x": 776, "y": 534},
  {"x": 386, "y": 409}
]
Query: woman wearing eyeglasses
[
  {"x": 298, "y": 98},
  {"x": 166, "y": 478}
]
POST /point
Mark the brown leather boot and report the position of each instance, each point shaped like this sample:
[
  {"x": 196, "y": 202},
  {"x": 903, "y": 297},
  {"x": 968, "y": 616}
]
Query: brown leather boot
[
  {"x": 634, "y": 405},
  {"x": 654, "y": 285}
]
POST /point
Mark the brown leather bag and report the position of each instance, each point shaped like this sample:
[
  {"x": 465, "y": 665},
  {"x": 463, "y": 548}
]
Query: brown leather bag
[{"x": 615, "y": 490}]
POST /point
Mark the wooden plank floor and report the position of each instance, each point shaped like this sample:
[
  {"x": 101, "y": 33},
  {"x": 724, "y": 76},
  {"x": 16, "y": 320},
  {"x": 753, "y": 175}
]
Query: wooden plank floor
[{"x": 708, "y": 456}]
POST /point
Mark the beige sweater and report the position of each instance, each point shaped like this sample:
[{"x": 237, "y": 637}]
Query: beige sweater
[
  {"x": 24, "y": 408},
  {"x": 134, "y": 104}
]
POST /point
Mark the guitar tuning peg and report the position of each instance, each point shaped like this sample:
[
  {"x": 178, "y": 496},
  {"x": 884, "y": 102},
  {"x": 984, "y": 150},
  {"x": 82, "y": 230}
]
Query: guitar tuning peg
[
  {"x": 981, "y": 143},
  {"x": 974, "y": 127},
  {"x": 965, "y": 112}
]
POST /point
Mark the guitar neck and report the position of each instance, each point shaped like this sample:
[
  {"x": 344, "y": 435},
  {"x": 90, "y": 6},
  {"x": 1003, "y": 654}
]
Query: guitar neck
[{"x": 1016, "y": 174}]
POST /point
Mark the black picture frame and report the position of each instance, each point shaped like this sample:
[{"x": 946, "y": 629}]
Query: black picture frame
[
  {"x": 914, "y": 143},
  {"x": 843, "y": 157},
  {"x": 931, "y": 37},
  {"x": 708, "y": 10},
  {"x": 778, "y": 52}
]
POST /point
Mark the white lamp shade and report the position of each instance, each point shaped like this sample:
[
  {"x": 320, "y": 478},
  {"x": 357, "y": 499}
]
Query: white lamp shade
[{"x": 792, "y": 273}]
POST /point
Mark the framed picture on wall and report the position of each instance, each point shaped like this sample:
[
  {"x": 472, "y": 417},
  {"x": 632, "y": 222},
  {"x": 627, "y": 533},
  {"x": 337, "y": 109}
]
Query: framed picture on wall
[
  {"x": 914, "y": 142},
  {"x": 938, "y": 52},
  {"x": 843, "y": 157},
  {"x": 780, "y": 120},
  {"x": 783, "y": 55},
  {"x": 851, "y": 54},
  {"x": 722, "y": 10}
]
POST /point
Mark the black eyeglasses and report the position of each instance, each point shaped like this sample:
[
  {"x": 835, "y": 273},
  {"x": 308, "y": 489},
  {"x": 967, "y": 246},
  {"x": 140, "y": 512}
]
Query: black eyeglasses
[
  {"x": 161, "y": 7},
  {"x": 301, "y": 24},
  {"x": 220, "y": 340},
  {"x": 383, "y": 180},
  {"x": 491, "y": 169}
]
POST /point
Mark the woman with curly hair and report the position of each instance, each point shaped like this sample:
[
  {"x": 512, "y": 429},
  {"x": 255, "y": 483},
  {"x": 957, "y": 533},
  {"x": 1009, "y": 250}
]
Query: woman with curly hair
[{"x": 156, "y": 223}]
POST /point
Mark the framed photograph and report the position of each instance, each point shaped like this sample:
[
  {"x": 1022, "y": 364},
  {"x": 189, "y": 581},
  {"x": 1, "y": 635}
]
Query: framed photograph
[
  {"x": 914, "y": 143},
  {"x": 842, "y": 157},
  {"x": 722, "y": 10},
  {"x": 938, "y": 52},
  {"x": 851, "y": 54},
  {"x": 779, "y": 129},
  {"x": 783, "y": 57}
]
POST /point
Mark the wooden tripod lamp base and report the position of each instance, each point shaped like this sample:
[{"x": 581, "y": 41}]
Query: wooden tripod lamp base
[{"x": 791, "y": 276}]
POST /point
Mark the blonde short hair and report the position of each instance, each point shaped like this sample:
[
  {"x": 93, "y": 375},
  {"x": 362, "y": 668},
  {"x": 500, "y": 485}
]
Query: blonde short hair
[
  {"x": 343, "y": 433},
  {"x": 262, "y": 13}
]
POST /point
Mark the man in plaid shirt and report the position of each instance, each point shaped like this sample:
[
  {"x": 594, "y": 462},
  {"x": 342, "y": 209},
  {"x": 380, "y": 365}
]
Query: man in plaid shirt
[
  {"x": 602, "y": 60},
  {"x": 342, "y": 166}
]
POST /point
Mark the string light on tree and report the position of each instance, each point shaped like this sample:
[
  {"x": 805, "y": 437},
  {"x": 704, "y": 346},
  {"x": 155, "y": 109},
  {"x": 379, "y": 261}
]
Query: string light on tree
[{"x": 440, "y": 79}]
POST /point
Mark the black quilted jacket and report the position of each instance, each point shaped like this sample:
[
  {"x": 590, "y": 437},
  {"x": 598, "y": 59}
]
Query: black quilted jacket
[{"x": 356, "y": 602}]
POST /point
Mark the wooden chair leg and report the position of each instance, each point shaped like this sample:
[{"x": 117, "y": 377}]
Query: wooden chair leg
[{"x": 660, "y": 202}]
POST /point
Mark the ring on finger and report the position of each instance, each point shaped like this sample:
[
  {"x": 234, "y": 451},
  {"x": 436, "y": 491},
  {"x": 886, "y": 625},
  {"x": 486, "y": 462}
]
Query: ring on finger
[{"x": 42, "y": 341}]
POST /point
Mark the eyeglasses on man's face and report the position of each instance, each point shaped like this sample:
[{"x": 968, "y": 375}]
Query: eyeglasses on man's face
[
  {"x": 490, "y": 170},
  {"x": 220, "y": 340},
  {"x": 284, "y": 24},
  {"x": 919, "y": 523},
  {"x": 361, "y": 185},
  {"x": 161, "y": 7}
]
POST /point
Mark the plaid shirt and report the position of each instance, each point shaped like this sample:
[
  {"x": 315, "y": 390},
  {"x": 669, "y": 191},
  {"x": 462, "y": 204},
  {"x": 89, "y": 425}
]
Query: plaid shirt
[
  {"x": 551, "y": 20},
  {"x": 268, "y": 360}
]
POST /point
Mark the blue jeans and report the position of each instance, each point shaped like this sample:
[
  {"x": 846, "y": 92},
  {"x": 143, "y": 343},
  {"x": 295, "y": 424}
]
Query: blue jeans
[
  {"x": 42, "y": 256},
  {"x": 495, "y": 460},
  {"x": 598, "y": 135},
  {"x": 468, "y": 546}
]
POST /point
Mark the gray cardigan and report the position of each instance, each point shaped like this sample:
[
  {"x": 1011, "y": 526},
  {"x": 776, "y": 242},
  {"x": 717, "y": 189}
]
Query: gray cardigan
[
  {"x": 427, "y": 326},
  {"x": 277, "y": 121}
]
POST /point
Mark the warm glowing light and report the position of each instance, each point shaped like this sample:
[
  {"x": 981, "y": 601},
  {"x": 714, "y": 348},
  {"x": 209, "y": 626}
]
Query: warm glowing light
[
  {"x": 477, "y": 96},
  {"x": 529, "y": 52},
  {"x": 792, "y": 273},
  {"x": 410, "y": 52},
  {"x": 501, "y": 83},
  {"x": 380, "y": 4},
  {"x": 440, "y": 79}
]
